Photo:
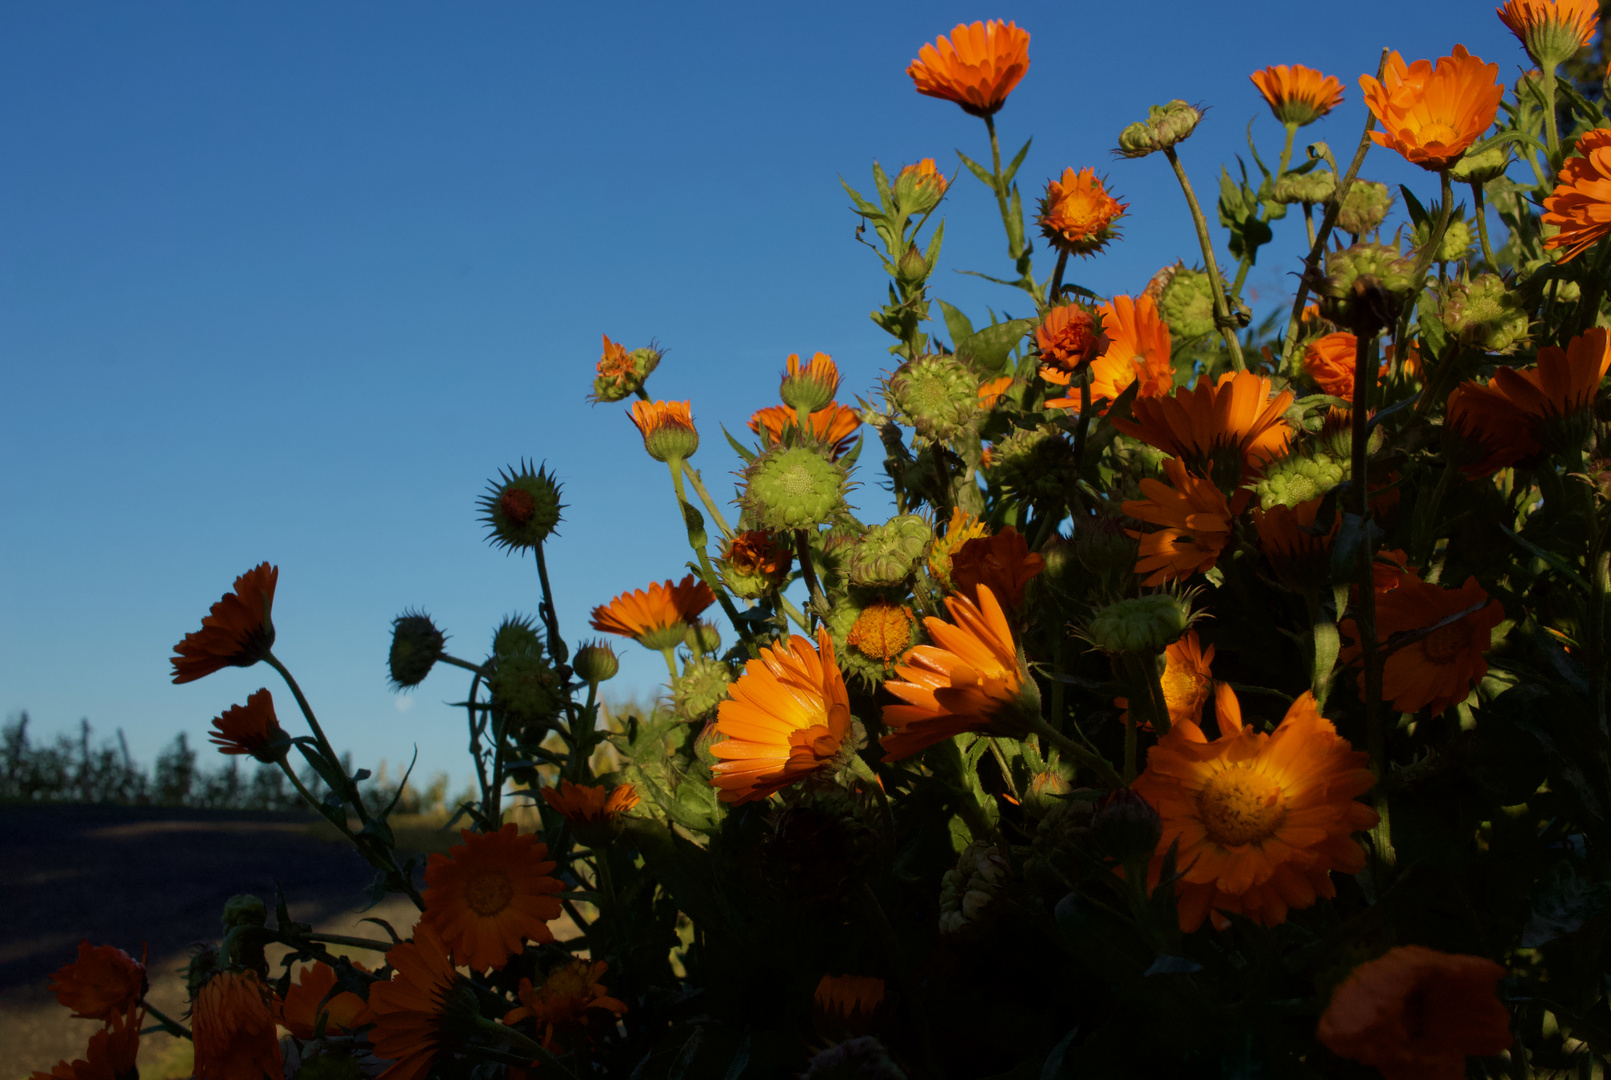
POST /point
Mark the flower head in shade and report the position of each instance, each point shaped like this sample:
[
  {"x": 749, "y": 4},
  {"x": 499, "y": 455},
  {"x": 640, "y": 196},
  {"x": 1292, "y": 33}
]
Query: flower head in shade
[
  {"x": 657, "y": 618},
  {"x": 833, "y": 425},
  {"x": 104, "y": 982},
  {"x": 232, "y": 1029},
  {"x": 1230, "y": 429},
  {"x": 1298, "y": 95},
  {"x": 1329, "y": 361},
  {"x": 1196, "y": 522},
  {"x": 1070, "y": 337},
  {"x": 976, "y": 67},
  {"x": 1138, "y": 348},
  {"x": 993, "y": 391},
  {"x": 590, "y": 803},
  {"x": 568, "y": 1002},
  {"x": 809, "y": 386},
  {"x": 972, "y": 678},
  {"x": 667, "y": 428},
  {"x": 1187, "y": 680},
  {"x": 786, "y": 718},
  {"x": 314, "y": 995},
  {"x": 1580, "y": 205},
  {"x": 1431, "y": 115},
  {"x": 237, "y": 632},
  {"x": 112, "y": 1053},
  {"x": 423, "y": 1011},
  {"x": 490, "y": 893},
  {"x": 1003, "y": 562},
  {"x": 1438, "y": 670},
  {"x": 1261, "y": 820},
  {"x": 1077, "y": 213},
  {"x": 1416, "y": 1013},
  {"x": 848, "y": 1003},
  {"x": 962, "y": 527},
  {"x": 1299, "y": 554},
  {"x": 251, "y": 729},
  {"x": 754, "y": 562},
  {"x": 1551, "y": 30}
]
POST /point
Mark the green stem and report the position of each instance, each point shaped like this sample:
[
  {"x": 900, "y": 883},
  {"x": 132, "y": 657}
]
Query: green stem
[
  {"x": 708, "y": 572},
  {"x": 1552, "y": 137},
  {"x": 1365, "y": 617},
  {"x": 793, "y": 613},
  {"x": 710, "y": 504},
  {"x": 351, "y": 942},
  {"x": 1222, "y": 313},
  {"x": 670, "y": 653},
  {"x": 325, "y": 748},
  {"x": 1309, "y": 222},
  {"x": 1078, "y": 753},
  {"x": 1000, "y": 187},
  {"x": 803, "y": 550},
  {"x": 387, "y": 866},
  {"x": 1430, "y": 252},
  {"x": 1481, "y": 212},
  {"x": 465, "y": 664},
  {"x": 556, "y": 644},
  {"x": 1084, "y": 425},
  {"x": 582, "y": 731},
  {"x": 174, "y": 1027},
  {"x": 1057, "y": 277},
  {"x": 950, "y": 755}
]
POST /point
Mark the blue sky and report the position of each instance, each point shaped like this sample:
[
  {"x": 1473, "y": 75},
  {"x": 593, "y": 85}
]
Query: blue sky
[{"x": 292, "y": 281}]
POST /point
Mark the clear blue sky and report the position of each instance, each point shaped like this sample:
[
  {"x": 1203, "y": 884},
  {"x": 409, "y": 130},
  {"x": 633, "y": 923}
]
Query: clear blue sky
[{"x": 292, "y": 281}]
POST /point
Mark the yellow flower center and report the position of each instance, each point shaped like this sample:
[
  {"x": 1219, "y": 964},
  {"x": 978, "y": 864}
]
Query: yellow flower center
[
  {"x": 489, "y": 893},
  {"x": 1436, "y": 132},
  {"x": 1443, "y": 646},
  {"x": 1079, "y": 214},
  {"x": 1183, "y": 688},
  {"x": 1239, "y": 806}
]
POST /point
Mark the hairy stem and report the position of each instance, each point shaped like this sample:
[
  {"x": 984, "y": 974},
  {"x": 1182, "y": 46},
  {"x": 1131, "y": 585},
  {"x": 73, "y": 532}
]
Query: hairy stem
[{"x": 1222, "y": 311}]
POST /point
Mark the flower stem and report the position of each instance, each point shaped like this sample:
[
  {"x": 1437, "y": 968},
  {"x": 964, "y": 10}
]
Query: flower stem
[
  {"x": 172, "y": 1026},
  {"x": 708, "y": 572},
  {"x": 1222, "y": 311},
  {"x": 818, "y": 601},
  {"x": 556, "y": 644},
  {"x": 1080, "y": 754},
  {"x": 1057, "y": 278},
  {"x": 670, "y": 653},
  {"x": 710, "y": 504},
  {"x": 1000, "y": 187},
  {"x": 1482, "y": 226},
  {"x": 1424, "y": 260},
  {"x": 328, "y": 751},
  {"x": 1552, "y": 137}
]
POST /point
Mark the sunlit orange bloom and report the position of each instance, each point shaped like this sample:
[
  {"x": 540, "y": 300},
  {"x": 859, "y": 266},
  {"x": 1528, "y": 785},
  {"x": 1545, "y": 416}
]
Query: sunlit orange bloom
[
  {"x": 1196, "y": 522},
  {"x": 970, "y": 679},
  {"x": 1439, "y": 670},
  {"x": 976, "y": 67},
  {"x": 1003, "y": 562},
  {"x": 1069, "y": 337},
  {"x": 232, "y": 1029},
  {"x": 991, "y": 391},
  {"x": 849, "y": 997},
  {"x": 1138, "y": 347},
  {"x": 410, "y": 1011},
  {"x": 1551, "y": 30},
  {"x": 1261, "y": 820},
  {"x": 1432, "y": 115},
  {"x": 563, "y": 1007},
  {"x": 590, "y": 803},
  {"x": 1300, "y": 557},
  {"x": 663, "y": 608},
  {"x": 882, "y": 632},
  {"x": 1580, "y": 205},
  {"x": 102, "y": 983},
  {"x": 1234, "y": 424},
  {"x": 1510, "y": 416},
  {"x": 251, "y": 729},
  {"x": 1297, "y": 94},
  {"x": 833, "y": 424},
  {"x": 667, "y": 428},
  {"x": 111, "y": 1055},
  {"x": 1416, "y": 1013},
  {"x": 1077, "y": 213},
  {"x": 1329, "y": 360},
  {"x": 488, "y": 894},
  {"x": 821, "y": 371},
  {"x": 962, "y": 527},
  {"x": 310, "y": 997},
  {"x": 237, "y": 632},
  {"x": 1186, "y": 679},
  {"x": 785, "y": 719}
]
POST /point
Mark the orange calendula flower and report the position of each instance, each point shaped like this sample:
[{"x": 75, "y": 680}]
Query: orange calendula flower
[
  {"x": 488, "y": 894},
  {"x": 919, "y": 188},
  {"x": 1230, "y": 429},
  {"x": 103, "y": 983},
  {"x": 1298, "y": 95},
  {"x": 834, "y": 424},
  {"x": 1003, "y": 562},
  {"x": 1580, "y": 205},
  {"x": 754, "y": 563},
  {"x": 251, "y": 729},
  {"x": 1069, "y": 337},
  {"x": 658, "y": 618},
  {"x": 416, "y": 1014},
  {"x": 1196, "y": 522},
  {"x": 976, "y": 67},
  {"x": 1438, "y": 670},
  {"x": 566, "y": 1004},
  {"x": 812, "y": 385},
  {"x": 1519, "y": 412},
  {"x": 1077, "y": 213},
  {"x": 1261, "y": 820},
  {"x": 112, "y": 1053},
  {"x": 970, "y": 679},
  {"x": 1187, "y": 680},
  {"x": 1551, "y": 30},
  {"x": 992, "y": 391},
  {"x": 590, "y": 803},
  {"x": 1138, "y": 347},
  {"x": 1416, "y": 1013},
  {"x": 313, "y": 996},
  {"x": 882, "y": 632},
  {"x": 1300, "y": 556},
  {"x": 232, "y": 1029},
  {"x": 1432, "y": 115},
  {"x": 667, "y": 428},
  {"x": 1329, "y": 360},
  {"x": 849, "y": 999},
  {"x": 237, "y": 632},
  {"x": 785, "y": 719},
  {"x": 962, "y": 528}
]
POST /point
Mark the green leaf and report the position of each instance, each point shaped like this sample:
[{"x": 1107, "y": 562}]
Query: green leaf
[
  {"x": 990, "y": 347},
  {"x": 932, "y": 255},
  {"x": 684, "y": 869},
  {"x": 863, "y": 207},
  {"x": 1418, "y": 214},
  {"x": 884, "y": 195},
  {"x": 978, "y": 170},
  {"x": 695, "y": 521},
  {"x": 956, "y": 323},
  {"x": 743, "y": 451},
  {"x": 1018, "y": 159}
]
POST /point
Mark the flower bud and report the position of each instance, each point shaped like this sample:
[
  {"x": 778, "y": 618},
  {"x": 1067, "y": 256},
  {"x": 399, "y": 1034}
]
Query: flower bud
[
  {"x": 812, "y": 386},
  {"x": 244, "y": 909},
  {"x": 793, "y": 487},
  {"x": 703, "y": 637},
  {"x": 521, "y": 508},
  {"x": 1299, "y": 478},
  {"x": 754, "y": 563},
  {"x": 1456, "y": 236},
  {"x": 913, "y": 268},
  {"x": 596, "y": 662},
  {"x": 1144, "y": 624},
  {"x": 886, "y": 554},
  {"x": 1314, "y": 186},
  {"x": 416, "y": 647},
  {"x": 1365, "y": 207},
  {"x": 1035, "y": 463},
  {"x": 667, "y": 428},
  {"x": 967, "y": 889},
  {"x": 919, "y": 188},
  {"x": 621, "y": 373},
  {"x": 1484, "y": 313},
  {"x": 1104, "y": 548},
  {"x": 1045, "y": 791},
  {"x": 701, "y": 687},
  {"x": 1365, "y": 287},
  {"x": 1125, "y": 826},
  {"x": 524, "y": 687},
  {"x": 937, "y": 395},
  {"x": 1481, "y": 168},
  {"x": 1187, "y": 303},
  {"x": 1164, "y": 126}
]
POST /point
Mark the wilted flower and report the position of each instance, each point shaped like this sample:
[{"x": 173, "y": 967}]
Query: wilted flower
[
  {"x": 962, "y": 527},
  {"x": 621, "y": 373},
  {"x": 967, "y": 889},
  {"x": 251, "y": 729},
  {"x": 103, "y": 983},
  {"x": 1165, "y": 126},
  {"x": 754, "y": 563},
  {"x": 563, "y": 1006},
  {"x": 976, "y": 67},
  {"x": 232, "y": 1029},
  {"x": 1298, "y": 95},
  {"x": 1432, "y": 115}
]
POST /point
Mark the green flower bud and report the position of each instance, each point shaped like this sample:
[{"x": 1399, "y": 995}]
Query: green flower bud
[
  {"x": 244, "y": 909},
  {"x": 809, "y": 386},
  {"x": 1310, "y": 188},
  {"x": 1142, "y": 625},
  {"x": 1034, "y": 463},
  {"x": 1046, "y": 790},
  {"x": 701, "y": 687},
  {"x": 1365, "y": 208},
  {"x": 1484, "y": 313},
  {"x": 667, "y": 428},
  {"x": 596, "y": 662},
  {"x": 937, "y": 395},
  {"x": 1187, "y": 303},
  {"x": 1104, "y": 549},
  {"x": 919, "y": 188},
  {"x": 1164, "y": 126},
  {"x": 1456, "y": 237},
  {"x": 703, "y": 637},
  {"x": 416, "y": 646},
  {"x": 793, "y": 487},
  {"x": 1481, "y": 168},
  {"x": 524, "y": 687},
  {"x": 1126, "y": 826},
  {"x": 886, "y": 554},
  {"x": 521, "y": 508},
  {"x": 967, "y": 889},
  {"x": 1293, "y": 480},
  {"x": 1365, "y": 287},
  {"x": 913, "y": 267}
]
